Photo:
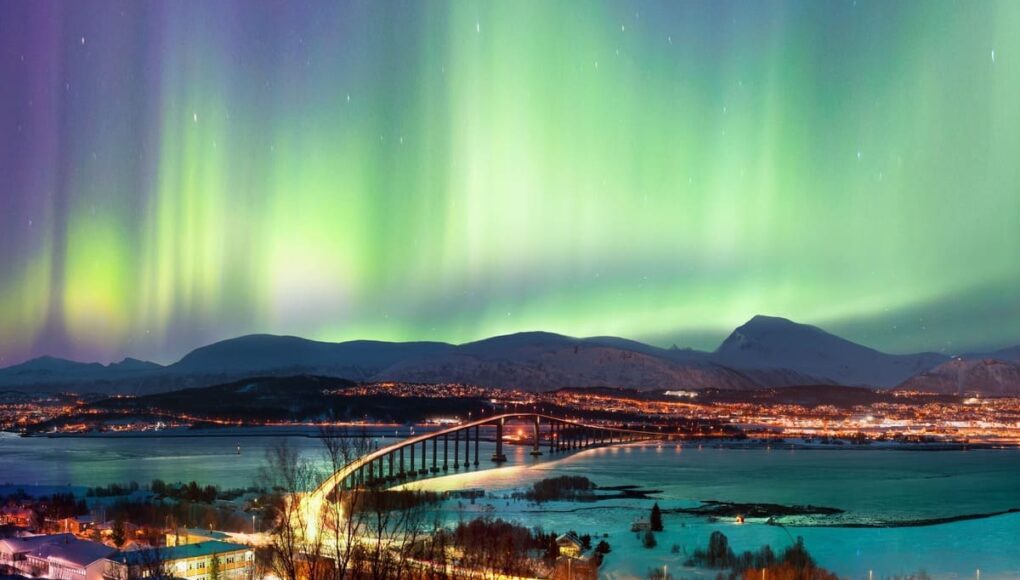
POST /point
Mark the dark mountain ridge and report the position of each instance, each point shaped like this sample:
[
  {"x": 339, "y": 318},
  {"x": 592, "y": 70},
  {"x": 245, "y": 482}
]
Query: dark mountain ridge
[{"x": 765, "y": 352}]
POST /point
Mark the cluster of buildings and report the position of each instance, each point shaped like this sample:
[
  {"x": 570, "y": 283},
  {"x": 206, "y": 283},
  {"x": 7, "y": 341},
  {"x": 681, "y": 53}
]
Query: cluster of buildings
[
  {"x": 899, "y": 415},
  {"x": 21, "y": 410},
  {"x": 422, "y": 390},
  {"x": 65, "y": 556}
]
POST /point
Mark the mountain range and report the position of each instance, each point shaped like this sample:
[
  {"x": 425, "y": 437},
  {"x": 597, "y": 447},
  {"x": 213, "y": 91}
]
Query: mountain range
[{"x": 764, "y": 352}]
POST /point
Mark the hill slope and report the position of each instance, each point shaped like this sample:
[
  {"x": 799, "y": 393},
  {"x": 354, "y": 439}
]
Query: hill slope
[
  {"x": 962, "y": 376},
  {"x": 259, "y": 353},
  {"x": 767, "y": 342},
  {"x": 544, "y": 361}
]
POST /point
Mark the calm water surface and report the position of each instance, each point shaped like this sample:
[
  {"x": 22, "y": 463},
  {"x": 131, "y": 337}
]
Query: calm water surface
[{"x": 885, "y": 485}]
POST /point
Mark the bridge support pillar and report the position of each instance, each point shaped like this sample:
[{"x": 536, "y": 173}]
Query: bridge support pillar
[
  {"x": 389, "y": 475},
  {"x": 535, "y": 450},
  {"x": 424, "y": 447},
  {"x": 498, "y": 456},
  {"x": 478, "y": 436},
  {"x": 446, "y": 452},
  {"x": 402, "y": 472},
  {"x": 456, "y": 449},
  {"x": 435, "y": 454}
]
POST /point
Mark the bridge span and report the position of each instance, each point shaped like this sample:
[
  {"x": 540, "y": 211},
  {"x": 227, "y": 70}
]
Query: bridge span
[{"x": 411, "y": 459}]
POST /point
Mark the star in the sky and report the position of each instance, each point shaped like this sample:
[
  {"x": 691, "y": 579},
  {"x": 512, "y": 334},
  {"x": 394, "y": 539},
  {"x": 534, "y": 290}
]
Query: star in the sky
[
  {"x": 83, "y": 41},
  {"x": 993, "y": 55},
  {"x": 478, "y": 26}
]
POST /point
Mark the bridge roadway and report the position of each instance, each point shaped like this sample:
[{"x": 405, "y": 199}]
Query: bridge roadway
[{"x": 387, "y": 465}]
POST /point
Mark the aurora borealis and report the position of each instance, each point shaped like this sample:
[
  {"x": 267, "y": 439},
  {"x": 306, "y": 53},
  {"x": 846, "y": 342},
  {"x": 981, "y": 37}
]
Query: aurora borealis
[{"x": 173, "y": 173}]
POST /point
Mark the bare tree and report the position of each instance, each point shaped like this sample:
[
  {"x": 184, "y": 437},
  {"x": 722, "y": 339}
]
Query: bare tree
[
  {"x": 294, "y": 553},
  {"x": 357, "y": 532},
  {"x": 150, "y": 563},
  {"x": 344, "y": 516},
  {"x": 393, "y": 532}
]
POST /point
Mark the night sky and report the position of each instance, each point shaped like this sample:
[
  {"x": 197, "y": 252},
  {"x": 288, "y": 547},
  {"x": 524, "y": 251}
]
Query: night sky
[{"x": 175, "y": 173}]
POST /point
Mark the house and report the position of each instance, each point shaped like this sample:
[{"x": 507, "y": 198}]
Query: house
[
  {"x": 570, "y": 546},
  {"x": 641, "y": 525},
  {"x": 77, "y": 525},
  {"x": 69, "y": 557},
  {"x": 187, "y": 561}
]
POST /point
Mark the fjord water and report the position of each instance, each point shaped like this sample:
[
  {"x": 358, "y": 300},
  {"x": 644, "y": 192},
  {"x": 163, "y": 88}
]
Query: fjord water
[{"x": 872, "y": 485}]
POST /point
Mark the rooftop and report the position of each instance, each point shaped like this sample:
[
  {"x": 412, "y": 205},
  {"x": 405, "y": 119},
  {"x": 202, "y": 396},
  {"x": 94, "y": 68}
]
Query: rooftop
[
  {"x": 150, "y": 555},
  {"x": 73, "y": 551},
  {"x": 203, "y": 533},
  {"x": 29, "y": 543}
]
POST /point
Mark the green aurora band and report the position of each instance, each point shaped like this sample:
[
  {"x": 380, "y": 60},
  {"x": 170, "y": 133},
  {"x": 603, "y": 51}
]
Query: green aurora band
[{"x": 663, "y": 171}]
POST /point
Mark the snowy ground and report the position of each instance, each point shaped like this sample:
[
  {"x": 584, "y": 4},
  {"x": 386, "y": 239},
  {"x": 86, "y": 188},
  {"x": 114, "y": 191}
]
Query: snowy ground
[{"x": 945, "y": 551}]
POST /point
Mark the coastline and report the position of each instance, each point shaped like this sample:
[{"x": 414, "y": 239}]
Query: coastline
[{"x": 385, "y": 431}]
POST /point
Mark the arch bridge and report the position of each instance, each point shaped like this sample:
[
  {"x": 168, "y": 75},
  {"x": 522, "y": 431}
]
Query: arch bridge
[{"x": 458, "y": 447}]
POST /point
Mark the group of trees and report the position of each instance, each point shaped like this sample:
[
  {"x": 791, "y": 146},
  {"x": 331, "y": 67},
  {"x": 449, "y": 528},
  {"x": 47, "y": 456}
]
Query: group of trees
[
  {"x": 194, "y": 492},
  {"x": 501, "y": 547},
  {"x": 59, "y": 506},
  {"x": 566, "y": 487},
  {"x": 182, "y": 513},
  {"x": 180, "y": 491},
  {"x": 795, "y": 563},
  {"x": 113, "y": 490}
]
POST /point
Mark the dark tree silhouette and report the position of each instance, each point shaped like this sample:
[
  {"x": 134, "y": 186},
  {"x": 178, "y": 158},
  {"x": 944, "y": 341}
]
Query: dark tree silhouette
[
  {"x": 656, "y": 518},
  {"x": 119, "y": 535}
]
